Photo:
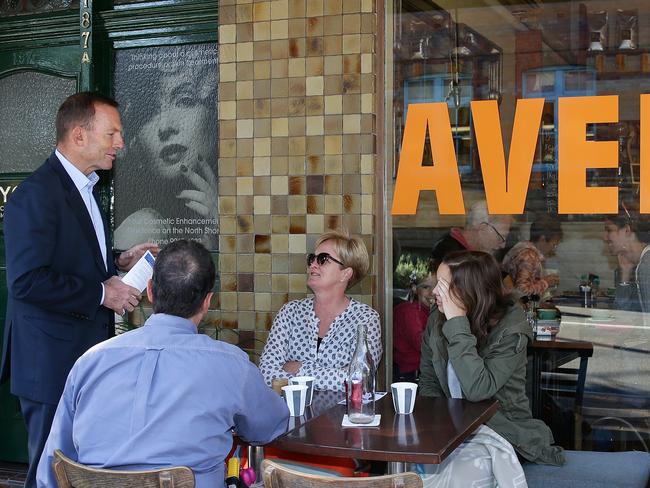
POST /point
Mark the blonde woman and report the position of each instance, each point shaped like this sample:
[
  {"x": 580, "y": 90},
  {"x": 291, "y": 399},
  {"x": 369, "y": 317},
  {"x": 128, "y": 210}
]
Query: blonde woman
[{"x": 316, "y": 336}]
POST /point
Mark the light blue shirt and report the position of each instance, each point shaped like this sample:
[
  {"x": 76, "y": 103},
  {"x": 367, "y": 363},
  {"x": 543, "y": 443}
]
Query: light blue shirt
[
  {"x": 84, "y": 185},
  {"x": 159, "y": 396}
]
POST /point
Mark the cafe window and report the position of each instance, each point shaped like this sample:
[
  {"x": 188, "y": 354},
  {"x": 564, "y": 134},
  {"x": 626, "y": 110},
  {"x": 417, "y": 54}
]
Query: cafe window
[{"x": 551, "y": 54}]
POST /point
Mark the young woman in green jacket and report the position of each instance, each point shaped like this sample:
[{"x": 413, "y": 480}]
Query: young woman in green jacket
[{"x": 475, "y": 347}]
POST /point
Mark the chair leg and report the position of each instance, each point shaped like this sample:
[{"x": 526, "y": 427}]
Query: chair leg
[
  {"x": 577, "y": 431},
  {"x": 166, "y": 480},
  {"x": 59, "y": 473}
]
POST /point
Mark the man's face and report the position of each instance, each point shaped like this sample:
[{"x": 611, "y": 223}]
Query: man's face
[
  {"x": 103, "y": 138},
  {"x": 493, "y": 235}
]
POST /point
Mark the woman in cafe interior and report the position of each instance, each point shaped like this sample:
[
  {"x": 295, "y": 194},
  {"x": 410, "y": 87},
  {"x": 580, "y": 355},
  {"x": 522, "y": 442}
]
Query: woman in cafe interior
[
  {"x": 474, "y": 347},
  {"x": 316, "y": 336},
  {"x": 628, "y": 238},
  {"x": 409, "y": 321},
  {"x": 524, "y": 263}
]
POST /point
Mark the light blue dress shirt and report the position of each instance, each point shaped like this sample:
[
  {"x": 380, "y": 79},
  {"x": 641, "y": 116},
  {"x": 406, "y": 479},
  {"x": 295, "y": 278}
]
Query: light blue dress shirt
[
  {"x": 84, "y": 185},
  {"x": 159, "y": 396}
]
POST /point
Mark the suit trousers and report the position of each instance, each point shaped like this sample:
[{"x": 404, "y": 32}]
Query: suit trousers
[{"x": 38, "y": 420}]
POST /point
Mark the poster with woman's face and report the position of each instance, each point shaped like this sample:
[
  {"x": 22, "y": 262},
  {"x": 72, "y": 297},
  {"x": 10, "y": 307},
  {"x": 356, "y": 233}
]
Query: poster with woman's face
[{"x": 166, "y": 177}]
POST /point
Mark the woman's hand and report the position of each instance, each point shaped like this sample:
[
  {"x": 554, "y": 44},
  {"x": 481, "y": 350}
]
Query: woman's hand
[
  {"x": 203, "y": 198},
  {"x": 292, "y": 367},
  {"x": 552, "y": 279},
  {"x": 626, "y": 266},
  {"x": 451, "y": 306}
]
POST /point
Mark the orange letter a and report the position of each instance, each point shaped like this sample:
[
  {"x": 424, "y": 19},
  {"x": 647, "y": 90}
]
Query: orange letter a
[{"x": 442, "y": 177}]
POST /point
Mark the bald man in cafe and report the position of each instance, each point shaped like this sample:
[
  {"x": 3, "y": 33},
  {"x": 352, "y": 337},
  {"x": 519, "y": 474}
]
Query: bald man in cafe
[
  {"x": 165, "y": 395},
  {"x": 482, "y": 232}
]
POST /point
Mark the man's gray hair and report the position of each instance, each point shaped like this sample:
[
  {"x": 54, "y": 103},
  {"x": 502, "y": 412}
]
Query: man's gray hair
[{"x": 477, "y": 214}]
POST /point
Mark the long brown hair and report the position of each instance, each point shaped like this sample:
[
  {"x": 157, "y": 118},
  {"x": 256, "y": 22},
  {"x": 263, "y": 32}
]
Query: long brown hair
[{"x": 476, "y": 281}]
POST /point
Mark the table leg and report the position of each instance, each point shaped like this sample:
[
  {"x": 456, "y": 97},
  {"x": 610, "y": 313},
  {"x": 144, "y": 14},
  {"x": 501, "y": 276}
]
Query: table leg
[
  {"x": 255, "y": 458},
  {"x": 537, "y": 384},
  {"x": 577, "y": 406},
  {"x": 396, "y": 467}
]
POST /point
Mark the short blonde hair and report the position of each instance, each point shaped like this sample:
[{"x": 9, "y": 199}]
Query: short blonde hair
[{"x": 351, "y": 250}]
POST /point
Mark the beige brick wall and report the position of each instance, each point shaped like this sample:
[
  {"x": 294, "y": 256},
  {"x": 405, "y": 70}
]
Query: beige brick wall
[{"x": 297, "y": 149}]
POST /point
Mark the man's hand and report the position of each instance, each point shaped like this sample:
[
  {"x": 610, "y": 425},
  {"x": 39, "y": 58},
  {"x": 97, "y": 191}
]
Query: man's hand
[
  {"x": 126, "y": 260},
  {"x": 119, "y": 296}
]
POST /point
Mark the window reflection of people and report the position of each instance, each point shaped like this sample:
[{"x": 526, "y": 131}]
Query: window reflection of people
[
  {"x": 524, "y": 263},
  {"x": 409, "y": 321},
  {"x": 475, "y": 347},
  {"x": 483, "y": 232},
  {"x": 628, "y": 238},
  {"x": 168, "y": 189}
]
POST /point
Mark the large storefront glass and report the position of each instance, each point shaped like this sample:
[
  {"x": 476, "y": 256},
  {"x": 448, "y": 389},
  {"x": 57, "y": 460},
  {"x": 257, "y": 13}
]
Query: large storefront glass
[{"x": 566, "y": 78}]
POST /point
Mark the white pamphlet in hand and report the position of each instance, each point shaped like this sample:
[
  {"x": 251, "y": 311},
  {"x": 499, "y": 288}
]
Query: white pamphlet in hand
[{"x": 140, "y": 274}]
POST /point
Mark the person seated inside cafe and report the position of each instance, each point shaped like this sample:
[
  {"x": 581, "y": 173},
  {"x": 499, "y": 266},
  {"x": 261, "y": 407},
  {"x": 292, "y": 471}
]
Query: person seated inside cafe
[
  {"x": 164, "y": 395},
  {"x": 524, "y": 262},
  {"x": 475, "y": 347},
  {"x": 482, "y": 232},
  {"x": 627, "y": 235},
  {"x": 316, "y": 336},
  {"x": 409, "y": 321}
]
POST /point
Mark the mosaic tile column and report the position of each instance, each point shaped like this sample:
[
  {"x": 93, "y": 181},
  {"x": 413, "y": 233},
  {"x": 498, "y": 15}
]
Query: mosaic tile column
[{"x": 297, "y": 148}]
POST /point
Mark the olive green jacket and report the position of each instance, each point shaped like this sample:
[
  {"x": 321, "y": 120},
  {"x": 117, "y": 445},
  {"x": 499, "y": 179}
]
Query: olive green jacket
[{"x": 497, "y": 369}]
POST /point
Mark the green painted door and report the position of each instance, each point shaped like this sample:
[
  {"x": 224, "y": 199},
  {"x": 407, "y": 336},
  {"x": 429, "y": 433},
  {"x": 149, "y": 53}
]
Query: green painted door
[
  {"x": 97, "y": 45},
  {"x": 37, "y": 72}
]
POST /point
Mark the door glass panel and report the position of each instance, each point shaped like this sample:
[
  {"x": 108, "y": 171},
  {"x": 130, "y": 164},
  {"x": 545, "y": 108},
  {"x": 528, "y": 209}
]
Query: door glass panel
[
  {"x": 17, "y": 7},
  {"x": 27, "y": 112},
  {"x": 166, "y": 179}
]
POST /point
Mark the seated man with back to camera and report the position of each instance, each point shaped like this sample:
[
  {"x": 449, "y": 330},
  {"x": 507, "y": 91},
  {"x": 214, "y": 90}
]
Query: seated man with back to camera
[{"x": 164, "y": 395}]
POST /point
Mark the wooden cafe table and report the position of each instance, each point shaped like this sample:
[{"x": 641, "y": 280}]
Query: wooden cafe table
[
  {"x": 550, "y": 353},
  {"x": 428, "y": 435}
]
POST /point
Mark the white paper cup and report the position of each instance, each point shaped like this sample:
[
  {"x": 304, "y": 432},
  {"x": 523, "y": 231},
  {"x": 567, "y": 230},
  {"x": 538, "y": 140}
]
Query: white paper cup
[
  {"x": 404, "y": 396},
  {"x": 305, "y": 380},
  {"x": 295, "y": 396}
]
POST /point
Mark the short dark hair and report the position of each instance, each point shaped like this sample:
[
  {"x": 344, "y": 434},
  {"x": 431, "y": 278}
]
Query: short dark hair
[
  {"x": 79, "y": 109},
  {"x": 546, "y": 226},
  {"x": 183, "y": 275}
]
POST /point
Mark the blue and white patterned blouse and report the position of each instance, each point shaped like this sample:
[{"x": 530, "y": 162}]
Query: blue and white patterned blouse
[{"x": 294, "y": 337}]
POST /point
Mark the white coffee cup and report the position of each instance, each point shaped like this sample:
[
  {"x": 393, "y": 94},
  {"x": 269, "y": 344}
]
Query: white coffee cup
[
  {"x": 296, "y": 398},
  {"x": 404, "y": 396},
  {"x": 305, "y": 380}
]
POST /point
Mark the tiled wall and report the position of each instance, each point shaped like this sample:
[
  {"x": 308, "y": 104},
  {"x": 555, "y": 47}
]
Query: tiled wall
[{"x": 297, "y": 148}]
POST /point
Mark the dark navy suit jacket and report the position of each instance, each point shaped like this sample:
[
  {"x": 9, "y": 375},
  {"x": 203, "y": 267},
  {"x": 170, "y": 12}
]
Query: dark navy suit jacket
[{"x": 54, "y": 276}]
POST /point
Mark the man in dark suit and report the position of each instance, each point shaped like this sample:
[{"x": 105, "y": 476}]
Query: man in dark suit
[{"x": 63, "y": 291}]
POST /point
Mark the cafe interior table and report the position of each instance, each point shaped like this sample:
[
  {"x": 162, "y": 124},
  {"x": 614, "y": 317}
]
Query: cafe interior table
[
  {"x": 435, "y": 428},
  {"x": 550, "y": 354}
]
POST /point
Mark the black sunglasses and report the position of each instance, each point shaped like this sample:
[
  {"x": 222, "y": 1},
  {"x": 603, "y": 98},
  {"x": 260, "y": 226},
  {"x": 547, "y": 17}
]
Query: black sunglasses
[{"x": 321, "y": 259}]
